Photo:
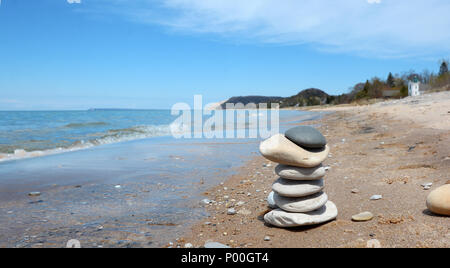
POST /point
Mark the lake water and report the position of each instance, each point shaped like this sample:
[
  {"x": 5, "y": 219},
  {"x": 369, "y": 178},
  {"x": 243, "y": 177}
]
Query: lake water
[{"x": 38, "y": 133}]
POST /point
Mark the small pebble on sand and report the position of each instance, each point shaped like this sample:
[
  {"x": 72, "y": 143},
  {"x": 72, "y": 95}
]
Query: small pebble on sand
[
  {"x": 363, "y": 216},
  {"x": 376, "y": 197},
  {"x": 427, "y": 186},
  {"x": 206, "y": 201},
  {"x": 231, "y": 211}
]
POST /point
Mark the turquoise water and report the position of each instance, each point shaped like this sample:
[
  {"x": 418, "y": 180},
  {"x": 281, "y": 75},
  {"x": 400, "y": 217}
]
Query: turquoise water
[{"x": 37, "y": 133}]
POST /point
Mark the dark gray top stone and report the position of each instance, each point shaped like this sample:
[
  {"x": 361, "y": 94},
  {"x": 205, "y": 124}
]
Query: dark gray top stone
[{"x": 307, "y": 137}]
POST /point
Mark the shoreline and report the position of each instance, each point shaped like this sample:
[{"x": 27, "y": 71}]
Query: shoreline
[
  {"x": 139, "y": 193},
  {"x": 374, "y": 150}
]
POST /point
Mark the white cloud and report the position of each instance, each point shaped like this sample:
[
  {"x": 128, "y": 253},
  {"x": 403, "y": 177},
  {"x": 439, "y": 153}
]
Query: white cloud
[
  {"x": 74, "y": 1},
  {"x": 391, "y": 28}
]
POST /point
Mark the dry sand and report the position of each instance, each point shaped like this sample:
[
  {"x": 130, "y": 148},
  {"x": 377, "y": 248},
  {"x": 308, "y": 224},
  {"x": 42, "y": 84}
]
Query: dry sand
[{"x": 388, "y": 148}]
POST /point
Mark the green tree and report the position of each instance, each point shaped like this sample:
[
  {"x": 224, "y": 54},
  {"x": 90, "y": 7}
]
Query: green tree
[
  {"x": 444, "y": 68},
  {"x": 390, "y": 80},
  {"x": 364, "y": 93},
  {"x": 376, "y": 88}
]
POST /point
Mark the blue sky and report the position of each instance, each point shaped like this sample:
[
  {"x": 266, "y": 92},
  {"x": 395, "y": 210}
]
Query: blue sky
[{"x": 154, "y": 53}]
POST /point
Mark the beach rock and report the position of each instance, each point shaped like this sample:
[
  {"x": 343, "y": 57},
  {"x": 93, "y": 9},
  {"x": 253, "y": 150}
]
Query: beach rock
[
  {"x": 215, "y": 245},
  {"x": 290, "y": 188},
  {"x": 427, "y": 186},
  {"x": 301, "y": 204},
  {"x": 206, "y": 201},
  {"x": 376, "y": 197},
  {"x": 34, "y": 194},
  {"x": 231, "y": 211},
  {"x": 188, "y": 245},
  {"x": 306, "y": 137},
  {"x": 271, "y": 201},
  {"x": 284, "y": 219},
  {"x": 363, "y": 216},
  {"x": 300, "y": 174},
  {"x": 438, "y": 201},
  {"x": 283, "y": 151},
  {"x": 267, "y": 238}
]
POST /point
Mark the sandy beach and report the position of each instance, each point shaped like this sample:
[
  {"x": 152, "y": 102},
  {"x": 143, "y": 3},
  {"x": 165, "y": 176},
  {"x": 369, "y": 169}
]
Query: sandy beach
[{"x": 389, "y": 148}]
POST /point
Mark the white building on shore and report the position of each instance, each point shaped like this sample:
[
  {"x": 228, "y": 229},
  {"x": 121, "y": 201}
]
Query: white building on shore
[{"x": 414, "y": 87}]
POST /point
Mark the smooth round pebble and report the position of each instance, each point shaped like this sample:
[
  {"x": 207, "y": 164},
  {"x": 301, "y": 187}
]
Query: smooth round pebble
[
  {"x": 300, "y": 174},
  {"x": 285, "y": 219},
  {"x": 438, "y": 201},
  {"x": 376, "y": 197},
  {"x": 363, "y": 216},
  {"x": 306, "y": 136},
  {"x": 290, "y": 188},
  {"x": 301, "y": 204},
  {"x": 231, "y": 211}
]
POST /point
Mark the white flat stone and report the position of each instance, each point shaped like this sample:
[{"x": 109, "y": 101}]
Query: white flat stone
[
  {"x": 301, "y": 204},
  {"x": 290, "y": 188},
  {"x": 376, "y": 197},
  {"x": 283, "y": 151},
  {"x": 283, "y": 219},
  {"x": 300, "y": 174}
]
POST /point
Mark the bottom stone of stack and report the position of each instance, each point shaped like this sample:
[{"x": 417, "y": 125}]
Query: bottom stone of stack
[{"x": 281, "y": 218}]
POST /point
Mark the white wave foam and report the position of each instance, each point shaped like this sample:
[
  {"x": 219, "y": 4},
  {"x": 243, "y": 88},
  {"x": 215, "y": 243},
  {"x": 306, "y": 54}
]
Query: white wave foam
[{"x": 112, "y": 136}]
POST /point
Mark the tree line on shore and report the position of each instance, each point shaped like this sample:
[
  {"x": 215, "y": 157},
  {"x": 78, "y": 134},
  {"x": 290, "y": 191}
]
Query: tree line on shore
[{"x": 372, "y": 88}]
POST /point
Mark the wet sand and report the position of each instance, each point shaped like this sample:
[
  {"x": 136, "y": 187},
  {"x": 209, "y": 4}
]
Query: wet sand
[
  {"x": 388, "y": 149},
  {"x": 134, "y": 194}
]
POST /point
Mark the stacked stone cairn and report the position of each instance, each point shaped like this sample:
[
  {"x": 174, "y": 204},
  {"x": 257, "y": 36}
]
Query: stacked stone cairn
[{"x": 298, "y": 196}]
